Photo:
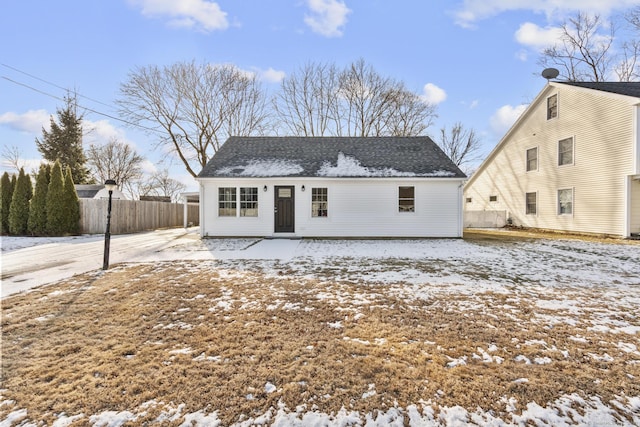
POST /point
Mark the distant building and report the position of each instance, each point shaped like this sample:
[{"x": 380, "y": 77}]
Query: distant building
[{"x": 97, "y": 191}]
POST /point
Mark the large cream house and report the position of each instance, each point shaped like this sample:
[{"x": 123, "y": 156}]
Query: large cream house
[{"x": 570, "y": 163}]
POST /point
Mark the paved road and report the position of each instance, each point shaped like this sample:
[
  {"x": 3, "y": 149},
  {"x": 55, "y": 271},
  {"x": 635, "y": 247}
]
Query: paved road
[{"x": 36, "y": 265}]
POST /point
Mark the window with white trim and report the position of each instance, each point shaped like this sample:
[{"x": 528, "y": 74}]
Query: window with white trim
[
  {"x": 565, "y": 201},
  {"x": 565, "y": 151},
  {"x": 406, "y": 199},
  {"x": 319, "y": 202},
  {"x": 226, "y": 201},
  {"x": 531, "y": 200},
  {"x": 532, "y": 159},
  {"x": 552, "y": 107},
  {"x": 248, "y": 201}
]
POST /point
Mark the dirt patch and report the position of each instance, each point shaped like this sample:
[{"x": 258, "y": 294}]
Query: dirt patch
[{"x": 240, "y": 338}]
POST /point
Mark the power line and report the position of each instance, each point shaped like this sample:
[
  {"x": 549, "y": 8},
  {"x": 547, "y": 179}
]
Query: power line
[
  {"x": 83, "y": 107},
  {"x": 55, "y": 85}
]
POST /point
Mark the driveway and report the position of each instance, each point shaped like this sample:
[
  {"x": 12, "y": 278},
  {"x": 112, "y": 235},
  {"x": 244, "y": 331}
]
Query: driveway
[{"x": 41, "y": 264}]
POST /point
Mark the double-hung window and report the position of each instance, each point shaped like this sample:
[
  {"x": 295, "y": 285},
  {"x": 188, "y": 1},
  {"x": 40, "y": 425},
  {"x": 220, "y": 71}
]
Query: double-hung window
[
  {"x": 406, "y": 199},
  {"x": 319, "y": 202},
  {"x": 531, "y": 203},
  {"x": 552, "y": 107},
  {"x": 565, "y": 201},
  {"x": 565, "y": 151},
  {"x": 248, "y": 201},
  {"x": 532, "y": 159},
  {"x": 226, "y": 201}
]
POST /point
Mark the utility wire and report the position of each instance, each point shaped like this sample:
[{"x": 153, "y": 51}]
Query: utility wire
[
  {"x": 55, "y": 85},
  {"x": 83, "y": 107}
]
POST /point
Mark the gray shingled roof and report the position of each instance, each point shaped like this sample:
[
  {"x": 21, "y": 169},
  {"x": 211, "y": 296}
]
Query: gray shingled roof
[
  {"x": 621, "y": 88},
  {"x": 330, "y": 157}
]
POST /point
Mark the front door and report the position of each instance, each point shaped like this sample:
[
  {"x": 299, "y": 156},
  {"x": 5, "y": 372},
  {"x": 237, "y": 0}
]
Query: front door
[{"x": 284, "y": 209}]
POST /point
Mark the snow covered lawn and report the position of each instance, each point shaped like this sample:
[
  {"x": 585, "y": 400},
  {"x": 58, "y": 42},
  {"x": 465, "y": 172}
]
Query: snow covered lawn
[{"x": 421, "y": 333}]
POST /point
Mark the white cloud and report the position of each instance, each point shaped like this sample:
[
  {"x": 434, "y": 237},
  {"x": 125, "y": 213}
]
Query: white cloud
[
  {"x": 534, "y": 36},
  {"x": 327, "y": 17},
  {"x": 202, "y": 15},
  {"x": 433, "y": 94},
  {"x": 505, "y": 117},
  {"x": 472, "y": 11},
  {"x": 270, "y": 75},
  {"x": 32, "y": 121},
  {"x": 101, "y": 132}
]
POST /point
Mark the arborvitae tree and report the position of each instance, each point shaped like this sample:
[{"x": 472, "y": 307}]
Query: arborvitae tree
[
  {"x": 71, "y": 204},
  {"x": 19, "y": 210},
  {"x": 38, "y": 208},
  {"x": 56, "y": 215},
  {"x": 64, "y": 142},
  {"x": 6, "y": 190}
]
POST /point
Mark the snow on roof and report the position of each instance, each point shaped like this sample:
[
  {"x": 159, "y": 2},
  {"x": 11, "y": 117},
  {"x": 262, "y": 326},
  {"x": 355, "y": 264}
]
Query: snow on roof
[
  {"x": 350, "y": 166},
  {"x": 262, "y": 168}
]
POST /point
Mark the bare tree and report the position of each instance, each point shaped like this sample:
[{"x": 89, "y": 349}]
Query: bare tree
[
  {"x": 193, "y": 107},
  {"x": 307, "y": 103},
  {"x": 584, "y": 51},
  {"x": 161, "y": 184},
  {"x": 118, "y": 161},
  {"x": 12, "y": 156},
  {"x": 593, "y": 49},
  {"x": 319, "y": 100},
  {"x": 460, "y": 144}
]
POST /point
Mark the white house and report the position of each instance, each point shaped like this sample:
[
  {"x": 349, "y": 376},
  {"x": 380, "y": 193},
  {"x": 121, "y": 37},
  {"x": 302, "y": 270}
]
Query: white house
[
  {"x": 330, "y": 187},
  {"x": 570, "y": 163}
]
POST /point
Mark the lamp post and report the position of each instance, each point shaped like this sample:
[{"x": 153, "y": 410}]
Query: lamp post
[{"x": 110, "y": 185}]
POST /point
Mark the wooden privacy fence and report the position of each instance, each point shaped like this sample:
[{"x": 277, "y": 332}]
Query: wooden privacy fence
[{"x": 131, "y": 216}]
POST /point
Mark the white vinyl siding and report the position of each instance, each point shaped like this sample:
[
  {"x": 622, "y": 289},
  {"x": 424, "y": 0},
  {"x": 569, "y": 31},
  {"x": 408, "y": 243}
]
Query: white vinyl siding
[
  {"x": 363, "y": 207},
  {"x": 602, "y": 127}
]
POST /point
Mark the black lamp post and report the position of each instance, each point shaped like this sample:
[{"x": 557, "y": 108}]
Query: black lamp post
[{"x": 110, "y": 185}]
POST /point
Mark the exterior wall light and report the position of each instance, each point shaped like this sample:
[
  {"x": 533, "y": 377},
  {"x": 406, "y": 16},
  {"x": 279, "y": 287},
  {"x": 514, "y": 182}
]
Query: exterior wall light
[{"x": 264, "y": 188}]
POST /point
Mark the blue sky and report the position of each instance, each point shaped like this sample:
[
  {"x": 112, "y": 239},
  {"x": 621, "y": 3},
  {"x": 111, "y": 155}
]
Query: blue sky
[{"x": 477, "y": 59}]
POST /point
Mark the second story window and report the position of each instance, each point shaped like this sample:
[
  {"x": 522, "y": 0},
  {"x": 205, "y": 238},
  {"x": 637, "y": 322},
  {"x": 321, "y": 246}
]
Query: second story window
[
  {"x": 532, "y": 159},
  {"x": 552, "y": 107},
  {"x": 565, "y": 152}
]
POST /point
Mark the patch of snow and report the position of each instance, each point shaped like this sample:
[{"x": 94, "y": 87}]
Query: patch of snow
[
  {"x": 263, "y": 168},
  {"x": 542, "y": 360},
  {"x": 269, "y": 388},
  {"x": 350, "y": 166}
]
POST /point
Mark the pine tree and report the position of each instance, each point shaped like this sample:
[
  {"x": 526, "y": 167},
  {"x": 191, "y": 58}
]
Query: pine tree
[
  {"x": 6, "y": 191},
  {"x": 64, "y": 142},
  {"x": 19, "y": 210},
  {"x": 38, "y": 208},
  {"x": 71, "y": 204},
  {"x": 56, "y": 215}
]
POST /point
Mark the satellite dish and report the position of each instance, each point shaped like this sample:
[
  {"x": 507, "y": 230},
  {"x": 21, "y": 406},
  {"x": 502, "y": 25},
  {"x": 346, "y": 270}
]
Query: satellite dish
[{"x": 550, "y": 73}]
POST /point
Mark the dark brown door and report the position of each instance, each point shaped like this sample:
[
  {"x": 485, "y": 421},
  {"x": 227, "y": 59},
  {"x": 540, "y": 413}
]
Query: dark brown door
[{"x": 284, "y": 209}]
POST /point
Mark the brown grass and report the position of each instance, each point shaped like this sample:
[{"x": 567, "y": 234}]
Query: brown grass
[{"x": 115, "y": 340}]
